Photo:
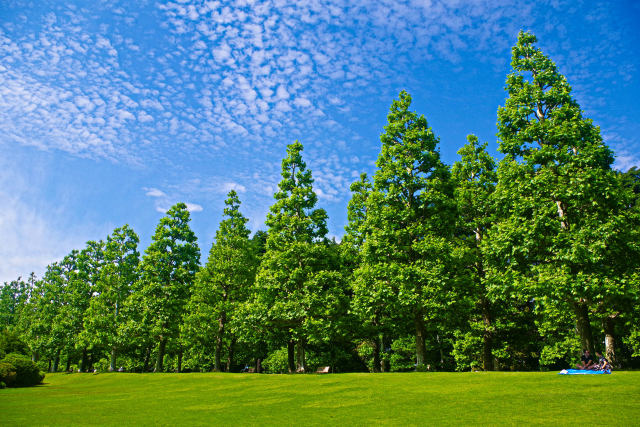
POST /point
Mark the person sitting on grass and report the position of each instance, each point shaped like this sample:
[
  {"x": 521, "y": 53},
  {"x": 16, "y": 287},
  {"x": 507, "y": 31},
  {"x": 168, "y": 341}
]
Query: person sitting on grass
[
  {"x": 586, "y": 361},
  {"x": 603, "y": 363}
]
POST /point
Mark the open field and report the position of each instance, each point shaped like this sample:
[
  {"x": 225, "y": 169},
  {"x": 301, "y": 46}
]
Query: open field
[{"x": 397, "y": 399}]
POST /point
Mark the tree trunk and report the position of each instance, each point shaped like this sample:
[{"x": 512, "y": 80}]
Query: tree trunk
[
  {"x": 83, "y": 361},
  {"x": 258, "y": 366},
  {"x": 291, "y": 363},
  {"x": 160, "y": 357},
  {"x": 584, "y": 326},
  {"x": 112, "y": 362},
  {"x": 230, "y": 353},
  {"x": 56, "y": 361},
  {"x": 376, "y": 354},
  {"x": 487, "y": 336},
  {"x": 49, "y": 368},
  {"x": 421, "y": 349},
  {"x": 219, "y": 340},
  {"x": 90, "y": 364},
  {"x": 68, "y": 367},
  {"x": 384, "y": 344},
  {"x": 180, "y": 359},
  {"x": 147, "y": 356},
  {"x": 301, "y": 362},
  {"x": 609, "y": 340}
]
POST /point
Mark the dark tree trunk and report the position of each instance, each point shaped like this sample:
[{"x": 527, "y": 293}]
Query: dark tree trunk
[
  {"x": 384, "y": 343},
  {"x": 147, "y": 357},
  {"x": 160, "y": 358},
  {"x": 230, "y": 354},
  {"x": 90, "y": 362},
  {"x": 83, "y": 360},
  {"x": 421, "y": 332},
  {"x": 291, "y": 362},
  {"x": 258, "y": 366},
  {"x": 376, "y": 354},
  {"x": 219, "y": 341},
  {"x": 487, "y": 336},
  {"x": 49, "y": 368},
  {"x": 584, "y": 326},
  {"x": 112, "y": 362},
  {"x": 609, "y": 340},
  {"x": 56, "y": 361},
  {"x": 301, "y": 362},
  {"x": 68, "y": 367}
]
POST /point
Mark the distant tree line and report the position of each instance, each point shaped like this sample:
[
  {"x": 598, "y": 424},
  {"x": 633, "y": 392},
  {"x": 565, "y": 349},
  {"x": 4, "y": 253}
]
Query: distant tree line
[{"x": 510, "y": 265}]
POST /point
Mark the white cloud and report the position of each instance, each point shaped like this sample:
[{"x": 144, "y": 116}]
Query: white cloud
[
  {"x": 228, "y": 186},
  {"x": 154, "y": 192},
  {"x": 193, "y": 207}
]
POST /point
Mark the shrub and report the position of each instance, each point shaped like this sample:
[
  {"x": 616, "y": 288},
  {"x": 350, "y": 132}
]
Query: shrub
[
  {"x": 26, "y": 372},
  {"x": 10, "y": 342},
  {"x": 7, "y": 374}
]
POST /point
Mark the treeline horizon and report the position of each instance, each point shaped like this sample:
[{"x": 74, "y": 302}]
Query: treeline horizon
[{"x": 481, "y": 265}]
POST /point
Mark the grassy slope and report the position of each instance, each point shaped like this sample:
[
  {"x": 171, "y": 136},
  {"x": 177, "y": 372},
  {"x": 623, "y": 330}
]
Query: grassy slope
[{"x": 412, "y": 398}]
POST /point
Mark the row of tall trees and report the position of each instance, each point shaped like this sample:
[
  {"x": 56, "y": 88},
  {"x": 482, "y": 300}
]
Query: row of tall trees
[{"x": 516, "y": 264}]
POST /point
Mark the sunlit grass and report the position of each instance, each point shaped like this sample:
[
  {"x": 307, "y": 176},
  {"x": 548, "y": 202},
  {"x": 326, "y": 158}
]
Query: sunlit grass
[{"x": 397, "y": 399}]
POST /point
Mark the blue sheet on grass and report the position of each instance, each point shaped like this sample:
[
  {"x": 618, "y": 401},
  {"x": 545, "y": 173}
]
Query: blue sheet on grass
[{"x": 582, "y": 372}]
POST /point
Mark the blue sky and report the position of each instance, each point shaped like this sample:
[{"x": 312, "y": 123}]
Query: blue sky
[{"x": 112, "y": 111}]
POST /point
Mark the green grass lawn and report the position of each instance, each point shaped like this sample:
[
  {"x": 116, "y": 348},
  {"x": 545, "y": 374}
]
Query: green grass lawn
[{"x": 397, "y": 399}]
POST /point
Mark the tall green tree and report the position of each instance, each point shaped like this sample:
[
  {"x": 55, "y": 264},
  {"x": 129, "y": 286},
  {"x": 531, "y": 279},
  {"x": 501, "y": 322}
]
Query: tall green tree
[
  {"x": 13, "y": 297},
  {"x": 297, "y": 286},
  {"x": 410, "y": 218},
  {"x": 223, "y": 284},
  {"x": 475, "y": 180},
  {"x": 115, "y": 282},
  {"x": 562, "y": 222},
  {"x": 167, "y": 273},
  {"x": 371, "y": 306}
]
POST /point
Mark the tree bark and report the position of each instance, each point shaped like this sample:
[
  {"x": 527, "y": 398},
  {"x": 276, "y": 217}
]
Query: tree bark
[
  {"x": 68, "y": 367},
  {"x": 56, "y": 361},
  {"x": 384, "y": 344},
  {"x": 301, "y": 362},
  {"x": 376, "y": 354},
  {"x": 160, "y": 357},
  {"x": 219, "y": 340},
  {"x": 230, "y": 353},
  {"x": 291, "y": 363},
  {"x": 421, "y": 332},
  {"x": 487, "y": 336},
  {"x": 609, "y": 340},
  {"x": 147, "y": 356},
  {"x": 584, "y": 326},
  {"x": 112, "y": 362},
  {"x": 83, "y": 360}
]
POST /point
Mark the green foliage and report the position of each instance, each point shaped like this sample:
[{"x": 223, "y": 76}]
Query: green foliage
[
  {"x": 406, "y": 252},
  {"x": 11, "y": 342},
  {"x": 167, "y": 272},
  {"x": 13, "y": 297},
  {"x": 299, "y": 291},
  {"x": 115, "y": 282},
  {"x": 17, "y": 370},
  {"x": 563, "y": 227},
  {"x": 222, "y": 285}
]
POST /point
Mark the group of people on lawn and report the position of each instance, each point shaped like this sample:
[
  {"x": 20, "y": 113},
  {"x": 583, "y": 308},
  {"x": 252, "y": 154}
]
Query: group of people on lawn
[{"x": 588, "y": 362}]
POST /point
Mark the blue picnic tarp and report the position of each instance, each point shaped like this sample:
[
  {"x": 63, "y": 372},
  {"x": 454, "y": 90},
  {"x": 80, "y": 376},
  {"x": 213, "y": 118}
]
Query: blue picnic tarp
[{"x": 582, "y": 372}]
